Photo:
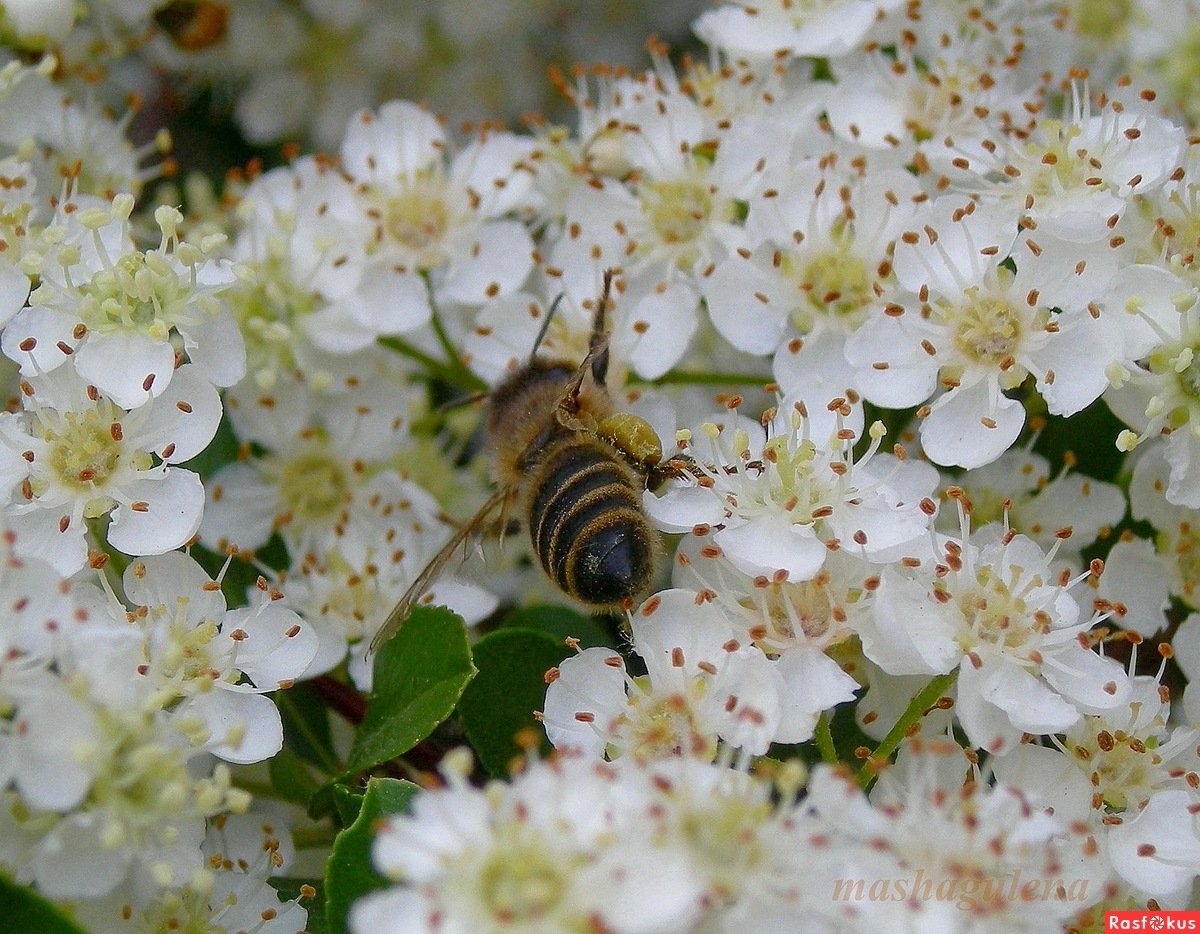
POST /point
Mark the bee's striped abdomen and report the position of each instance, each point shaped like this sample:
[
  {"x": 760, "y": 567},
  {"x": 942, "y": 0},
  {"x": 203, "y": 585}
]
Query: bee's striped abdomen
[{"x": 586, "y": 522}]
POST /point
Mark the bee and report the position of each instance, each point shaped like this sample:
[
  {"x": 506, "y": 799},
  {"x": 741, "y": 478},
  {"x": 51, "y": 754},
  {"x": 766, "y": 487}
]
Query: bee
[{"x": 573, "y": 466}]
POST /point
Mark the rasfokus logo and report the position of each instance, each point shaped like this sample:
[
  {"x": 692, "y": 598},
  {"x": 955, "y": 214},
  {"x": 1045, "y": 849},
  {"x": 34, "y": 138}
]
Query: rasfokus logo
[{"x": 1164, "y": 921}]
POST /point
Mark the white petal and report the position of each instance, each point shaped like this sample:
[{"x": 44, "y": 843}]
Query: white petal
[
  {"x": 1049, "y": 779},
  {"x": 814, "y": 682},
  {"x": 890, "y": 366},
  {"x": 14, "y": 289},
  {"x": 275, "y": 645},
  {"x": 388, "y": 301},
  {"x": 49, "y": 329},
  {"x": 765, "y": 544},
  {"x": 986, "y": 725},
  {"x": 400, "y": 141},
  {"x": 681, "y": 509},
  {"x": 495, "y": 260},
  {"x": 1136, "y": 582},
  {"x": 160, "y": 580},
  {"x": 1156, "y": 850},
  {"x": 120, "y": 364},
  {"x": 175, "y": 503},
  {"x": 39, "y": 534},
  {"x": 183, "y": 420},
  {"x": 71, "y": 862},
  {"x": 216, "y": 348},
  {"x": 1183, "y": 454},
  {"x": 587, "y": 685},
  {"x": 240, "y": 510},
  {"x": 242, "y": 727},
  {"x": 1187, "y": 647},
  {"x": 748, "y": 323},
  {"x": 954, "y": 435},
  {"x": 908, "y": 632},
  {"x": 1092, "y": 684},
  {"x": 658, "y": 329},
  {"x": 1030, "y": 705},
  {"x": 1078, "y": 356}
]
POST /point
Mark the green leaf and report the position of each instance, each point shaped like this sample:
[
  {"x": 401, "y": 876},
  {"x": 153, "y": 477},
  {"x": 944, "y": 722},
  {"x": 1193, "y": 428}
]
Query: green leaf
[
  {"x": 290, "y": 777},
  {"x": 306, "y": 727},
  {"x": 510, "y": 686},
  {"x": 419, "y": 676},
  {"x": 347, "y": 802},
  {"x": 562, "y": 622},
  {"x": 349, "y": 873},
  {"x": 29, "y": 913}
]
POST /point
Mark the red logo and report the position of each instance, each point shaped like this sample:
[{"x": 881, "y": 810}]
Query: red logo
[{"x": 1153, "y": 921}]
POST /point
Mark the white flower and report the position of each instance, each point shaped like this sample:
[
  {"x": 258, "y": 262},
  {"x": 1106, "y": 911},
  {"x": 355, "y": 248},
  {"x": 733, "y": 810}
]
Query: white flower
[
  {"x": 308, "y": 289},
  {"x": 965, "y": 841},
  {"x": 778, "y": 504},
  {"x": 80, "y": 456},
  {"x": 821, "y": 256},
  {"x": 701, "y": 685},
  {"x": 1162, "y": 396},
  {"x": 967, "y": 323},
  {"x": 432, "y": 212},
  {"x": 18, "y": 217},
  {"x": 1069, "y": 178},
  {"x": 319, "y": 450},
  {"x": 1018, "y": 488},
  {"x": 218, "y": 662},
  {"x": 998, "y": 614},
  {"x": 824, "y": 28},
  {"x": 69, "y": 136},
  {"x": 111, "y": 310},
  {"x": 565, "y": 845},
  {"x": 1108, "y": 771},
  {"x": 230, "y": 895},
  {"x": 37, "y": 23},
  {"x": 796, "y": 623},
  {"x": 383, "y": 539},
  {"x": 1176, "y": 560}
]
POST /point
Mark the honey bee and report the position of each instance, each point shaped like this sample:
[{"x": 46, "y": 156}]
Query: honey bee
[{"x": 574, "y": 467}]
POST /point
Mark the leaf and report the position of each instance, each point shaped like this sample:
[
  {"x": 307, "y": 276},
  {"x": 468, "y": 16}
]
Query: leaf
[
  {"x": 290, "y": 777},
  {"x": 347, "y": 802},
  {"x": 349, "y": 873},
  {"x": 561, "y": 622},
  {"x": 510, "y": 686},
  {"x": 29, "y": 913},
  {"x": 419, "y": 676},
  {"x": 306, "y": 727}
]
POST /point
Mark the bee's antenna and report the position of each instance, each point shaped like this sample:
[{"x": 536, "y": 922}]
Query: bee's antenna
[{"x": 541, "y": 334}]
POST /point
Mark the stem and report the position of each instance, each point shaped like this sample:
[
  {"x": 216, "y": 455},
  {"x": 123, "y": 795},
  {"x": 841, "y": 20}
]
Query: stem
[
  {"x": 696, "y": 377},
  {"x": 824, "y": 738},
  {"x": 340, "y": 697},
  {"x": 464, "y": 376},
  {"x": 917, "y": 708},
  {"x": 452, "y": 373}
]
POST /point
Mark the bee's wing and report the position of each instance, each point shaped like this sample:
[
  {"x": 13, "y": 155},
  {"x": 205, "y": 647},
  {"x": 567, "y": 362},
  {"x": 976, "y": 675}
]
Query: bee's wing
[{"x": 434, "y": 568}]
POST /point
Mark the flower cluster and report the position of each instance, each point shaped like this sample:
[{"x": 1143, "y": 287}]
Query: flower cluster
[{"x": 909, "y": 294}]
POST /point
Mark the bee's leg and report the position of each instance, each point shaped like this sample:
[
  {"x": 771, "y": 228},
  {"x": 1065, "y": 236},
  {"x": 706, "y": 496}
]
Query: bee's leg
[
  {"x": 598, "y": 342},
  {"x": 681, "y": 465},
  {"x": 596, "y": 361}
]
